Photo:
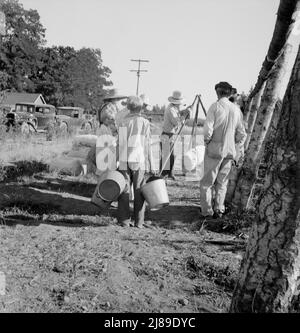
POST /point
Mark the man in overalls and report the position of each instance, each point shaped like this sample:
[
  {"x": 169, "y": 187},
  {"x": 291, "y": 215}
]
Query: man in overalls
[{"x": 223, "y": 129}]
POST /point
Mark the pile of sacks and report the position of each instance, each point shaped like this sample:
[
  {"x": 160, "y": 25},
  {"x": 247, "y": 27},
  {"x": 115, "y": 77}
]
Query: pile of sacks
[{"x": 80, "y": 160}]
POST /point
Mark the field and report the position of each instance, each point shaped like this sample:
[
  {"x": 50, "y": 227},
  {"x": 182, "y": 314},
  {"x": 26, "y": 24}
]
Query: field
[{"x": 60, "y": 253}]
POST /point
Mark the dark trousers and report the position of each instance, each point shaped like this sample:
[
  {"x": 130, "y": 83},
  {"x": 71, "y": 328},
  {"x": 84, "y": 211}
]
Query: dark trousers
[
  {"x": 165, "y": 148},
  {"x": 137, "y": 178}
]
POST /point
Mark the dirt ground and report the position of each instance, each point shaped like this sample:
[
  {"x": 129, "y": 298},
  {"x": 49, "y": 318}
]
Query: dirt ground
[{"x": 60, "y": 253}]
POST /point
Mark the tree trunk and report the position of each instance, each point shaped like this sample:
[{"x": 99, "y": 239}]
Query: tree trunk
[
  {"x": 269, "y": 277},
  {"x": 271, "y": 135},
  {"x": 283, "y": 28},
  {"x": 249, "y": 171},
  {"x": 253, "y": 114}
]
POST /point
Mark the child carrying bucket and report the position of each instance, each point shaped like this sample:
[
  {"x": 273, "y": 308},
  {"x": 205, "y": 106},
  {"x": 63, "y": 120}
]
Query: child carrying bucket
[{"x": 135, "y": 159}]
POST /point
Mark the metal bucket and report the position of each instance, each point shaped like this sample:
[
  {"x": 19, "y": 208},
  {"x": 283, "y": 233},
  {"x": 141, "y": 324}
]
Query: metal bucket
[
  {"x": 111, "y": 185},
  {"x": 155, "y": 193},
  {"x": 98, "y": 201}
]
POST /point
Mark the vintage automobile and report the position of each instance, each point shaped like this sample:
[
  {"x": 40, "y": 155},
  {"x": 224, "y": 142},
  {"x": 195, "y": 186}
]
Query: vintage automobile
[
  {"x": 73, "y": 118},
  {"x": 32, "y": 117},
  {"x": 23, "y": 121}
]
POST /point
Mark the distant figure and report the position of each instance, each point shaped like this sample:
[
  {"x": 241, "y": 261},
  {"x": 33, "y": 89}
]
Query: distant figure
[
  {"x": 173, "y": 119},
  {"x": 107, "y": 132},
  {"x": 223, "y": 129},
  {"x": 134, "y": 143},
  {"x": 235, "y": 98},
  {"x": 146, "y": 103}
]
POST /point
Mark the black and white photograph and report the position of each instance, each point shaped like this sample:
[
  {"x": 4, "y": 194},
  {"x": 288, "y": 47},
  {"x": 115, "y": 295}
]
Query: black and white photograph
[{"x": 149, "y": 159}]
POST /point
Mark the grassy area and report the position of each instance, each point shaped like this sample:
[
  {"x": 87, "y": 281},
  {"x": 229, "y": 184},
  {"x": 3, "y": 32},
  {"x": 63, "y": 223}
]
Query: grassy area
[{"x": 21, "y": 148}]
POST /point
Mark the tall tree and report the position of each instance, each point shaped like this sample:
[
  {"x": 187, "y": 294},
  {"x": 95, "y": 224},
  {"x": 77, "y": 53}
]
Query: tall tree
[
  {"x": 269, "y": 277},
  {"x": 88, "y": 78},
  {"x": 54, "y": 77},
  {"x": 20, "y": 47},
  {"x": 283, "y": 27},
  {"x": 73, "y": 78},
  {"x": 248, "y": 175},
  {"x": 253, "y": 114}
]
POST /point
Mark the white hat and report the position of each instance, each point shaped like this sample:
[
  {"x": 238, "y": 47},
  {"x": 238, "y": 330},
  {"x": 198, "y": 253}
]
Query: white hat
[
  {"x": 176, "y": 98},
  {"x": 145, "y": 99},
  {"x": 114, "y": 94}
]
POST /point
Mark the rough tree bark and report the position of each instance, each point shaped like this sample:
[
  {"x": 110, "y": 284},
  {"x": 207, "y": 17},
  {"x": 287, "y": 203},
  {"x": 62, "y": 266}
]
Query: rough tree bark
[
  {"x": 269, "y": 277},
  {"x": 249, "y": 124},
  {"x": 270, "y": 138},
  {"x": 253, "y": 114},
  {"x": 283, "y": 28},
  {"x": 249, "y": 171}
]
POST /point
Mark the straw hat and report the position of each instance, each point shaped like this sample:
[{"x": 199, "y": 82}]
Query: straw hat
[
  {"x": 114, "y": 94},
  {"x": 176, "y": 98}
]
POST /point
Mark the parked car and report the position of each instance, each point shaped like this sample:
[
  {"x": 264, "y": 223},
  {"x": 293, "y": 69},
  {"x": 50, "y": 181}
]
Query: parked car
[
  {"x": 23, "y": 121},
  {"x": 32, "y": 117},
  {"x": 70, "y": 117}
]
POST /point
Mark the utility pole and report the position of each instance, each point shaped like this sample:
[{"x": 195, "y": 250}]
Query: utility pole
[{"x": 138, "y": 73}]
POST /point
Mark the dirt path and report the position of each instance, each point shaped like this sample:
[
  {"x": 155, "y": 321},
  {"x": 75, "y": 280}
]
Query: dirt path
[{"x": 60, "y": 254}]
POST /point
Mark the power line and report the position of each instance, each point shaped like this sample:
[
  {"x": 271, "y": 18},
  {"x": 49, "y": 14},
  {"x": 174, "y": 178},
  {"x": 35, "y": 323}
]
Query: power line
[{"x": 138, "y": 72}]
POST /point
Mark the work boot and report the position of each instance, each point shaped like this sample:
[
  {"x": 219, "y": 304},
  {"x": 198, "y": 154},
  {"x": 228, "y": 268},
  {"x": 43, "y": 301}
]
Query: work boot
[
  {"x": 125, "y": 224},
  {"x": 172, "y": 177}
]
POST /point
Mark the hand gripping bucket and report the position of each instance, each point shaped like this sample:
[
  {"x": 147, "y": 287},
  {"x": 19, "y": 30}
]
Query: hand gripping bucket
[
  {"x": 155, "y": 193},
  {"x": 110, "y": 186}
]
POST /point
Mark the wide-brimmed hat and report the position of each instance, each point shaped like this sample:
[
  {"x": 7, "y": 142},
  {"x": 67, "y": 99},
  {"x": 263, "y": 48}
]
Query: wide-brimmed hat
[
  {"x": 176, "y": 98},
  {"x": 113, "y": 94}
]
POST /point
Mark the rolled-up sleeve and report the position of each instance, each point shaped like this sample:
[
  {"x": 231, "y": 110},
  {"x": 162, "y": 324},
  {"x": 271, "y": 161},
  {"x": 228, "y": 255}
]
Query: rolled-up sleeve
[{"x": 209, "y": 124}]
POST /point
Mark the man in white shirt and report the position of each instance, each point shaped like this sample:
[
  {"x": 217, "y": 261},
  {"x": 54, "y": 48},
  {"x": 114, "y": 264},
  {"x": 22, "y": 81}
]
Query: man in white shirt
[
  {"x": 223, "y": 129},
  {"x": 173, "y": 119},
  {"x": 135, "y": 159}
]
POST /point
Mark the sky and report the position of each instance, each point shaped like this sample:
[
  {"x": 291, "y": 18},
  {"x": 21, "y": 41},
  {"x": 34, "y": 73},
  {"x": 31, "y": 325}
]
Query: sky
[{"x": 191, "y": 44}]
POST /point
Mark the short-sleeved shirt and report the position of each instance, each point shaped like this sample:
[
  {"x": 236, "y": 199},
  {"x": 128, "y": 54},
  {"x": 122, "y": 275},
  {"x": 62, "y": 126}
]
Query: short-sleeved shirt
[
  {"x": 172, "y": 119},
  {"x": 134, "y": 138}
]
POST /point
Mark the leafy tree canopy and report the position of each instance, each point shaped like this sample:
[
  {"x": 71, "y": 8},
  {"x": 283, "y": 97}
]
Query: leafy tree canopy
[{"x": 63, "y": 75}]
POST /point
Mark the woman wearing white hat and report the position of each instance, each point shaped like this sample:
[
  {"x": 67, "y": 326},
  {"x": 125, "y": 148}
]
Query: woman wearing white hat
[{"x": 173, "y": 118}]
